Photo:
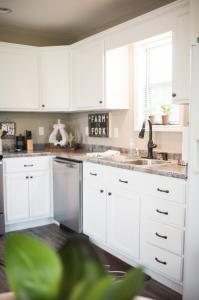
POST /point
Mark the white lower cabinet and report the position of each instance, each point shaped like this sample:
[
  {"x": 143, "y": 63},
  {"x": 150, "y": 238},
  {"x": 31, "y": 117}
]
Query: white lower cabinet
[
  {"x": 162, "y": 261},
  {"x": 94, "y": 211},
  {"x": 123, "y": 218},
  {"x": 17, "y": 197},
  {"x": 39, "y": 194},
  {"x": 144, "y": 224},
  {"x": 27, "y": 194}
]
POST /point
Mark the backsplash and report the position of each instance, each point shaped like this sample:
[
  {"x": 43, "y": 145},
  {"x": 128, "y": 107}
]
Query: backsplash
[{"x": 77, "y": 122}]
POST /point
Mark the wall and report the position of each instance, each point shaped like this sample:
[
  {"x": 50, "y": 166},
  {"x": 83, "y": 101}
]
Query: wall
[
  {"x": 123, "y": 120},
  {"x": 77, "y": 122},
  {"x": 32, "y": 121}
]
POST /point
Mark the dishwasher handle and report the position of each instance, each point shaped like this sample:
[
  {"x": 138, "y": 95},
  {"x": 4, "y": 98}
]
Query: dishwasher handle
[{"x": 68, "y": 164}]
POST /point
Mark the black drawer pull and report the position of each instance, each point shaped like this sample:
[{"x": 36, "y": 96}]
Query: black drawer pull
[
  {"x": 174, "y": 95},
  {"x": 29, "y": 165},
  {"x": 27, "y": 177},
  {"x": 162, "y": 212},
  {"x": 163, "y": 191},
  {"x": 101, "y": 191},
  {"x": 161, "y": 236},
  {"x": 123, "y": 181},
  {"x": 93, "y": 174},
  {"x": 109, "y": 194},
  {"x": 31, "y": 177},
  {"x": 160, "y": 261}
]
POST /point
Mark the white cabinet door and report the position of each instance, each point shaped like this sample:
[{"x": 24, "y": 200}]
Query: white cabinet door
[
  {"x": 54, "y": 78},
  {"x": 39, "y": 194},
  {"x": 18, "y": 77},
  {"x": 181, "y": 60},
  {"x": 88, "y": 75},
  {"x": 123, "y": 222},
  {"x": 194, "y": 9},
  {"x": 94, "y": 211},
  {"x": 17, "y": 205}
]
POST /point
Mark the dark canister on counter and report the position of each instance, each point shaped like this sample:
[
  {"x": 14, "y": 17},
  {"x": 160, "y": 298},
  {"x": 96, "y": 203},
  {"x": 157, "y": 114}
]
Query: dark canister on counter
[{"x": 20, "y": 143}]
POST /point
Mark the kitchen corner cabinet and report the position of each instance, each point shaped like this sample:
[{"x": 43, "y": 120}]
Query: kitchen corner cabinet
[
  {"x": 181, "y": 60},
  {"x": 19, "y": 84},
  {"x": 54, "y": 64},
  {"x": 99, "y": 78},
  {"x": 27, "y": 189}
]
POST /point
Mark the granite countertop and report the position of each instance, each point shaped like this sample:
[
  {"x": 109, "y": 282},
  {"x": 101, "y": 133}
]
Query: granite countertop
[{"x": 170, "y": 169}]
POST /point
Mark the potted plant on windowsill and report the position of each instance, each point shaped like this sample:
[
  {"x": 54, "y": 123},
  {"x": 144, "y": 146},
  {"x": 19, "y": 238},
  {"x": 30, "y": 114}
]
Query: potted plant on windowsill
[
  {"x": 35, "y": 271},
  {"x": 166, "y": 110}
]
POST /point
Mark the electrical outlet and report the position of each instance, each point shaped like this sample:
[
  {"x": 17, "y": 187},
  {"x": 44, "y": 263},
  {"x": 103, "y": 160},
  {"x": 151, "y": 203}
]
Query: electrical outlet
[{"x": 41, "y": 131}]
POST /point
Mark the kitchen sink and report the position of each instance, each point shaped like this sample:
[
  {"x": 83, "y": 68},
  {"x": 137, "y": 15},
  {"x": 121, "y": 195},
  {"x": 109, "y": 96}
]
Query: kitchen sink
[{"x": 146, "y": 162}]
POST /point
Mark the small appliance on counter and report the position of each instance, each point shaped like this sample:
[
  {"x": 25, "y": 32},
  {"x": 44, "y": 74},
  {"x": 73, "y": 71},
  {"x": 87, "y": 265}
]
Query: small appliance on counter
[
  {"x": 29, "y": 141},
  {"x": 20, "y": 143}
]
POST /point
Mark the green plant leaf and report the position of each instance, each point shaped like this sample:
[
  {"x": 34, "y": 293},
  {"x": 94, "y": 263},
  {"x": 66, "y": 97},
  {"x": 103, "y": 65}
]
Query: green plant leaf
[
  {"x": 98, "y": 290},
  {"x": 80, "y": 291},
  {"x": 81, "y": 261},
  {"x": 129, "y": 286},
  {"x": 33, "y": 270}
]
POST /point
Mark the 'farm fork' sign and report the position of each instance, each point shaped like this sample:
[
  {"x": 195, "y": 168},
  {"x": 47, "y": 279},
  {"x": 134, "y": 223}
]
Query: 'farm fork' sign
[{"x": 98, "y": 125}]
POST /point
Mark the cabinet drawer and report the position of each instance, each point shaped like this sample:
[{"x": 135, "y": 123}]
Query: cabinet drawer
[
  {"x": 166, "y": 188},
  {"x": 163, "y": 211},
  {"x": 127, "y": 179},
  {"x": 94, "y": 172},
  {"x": 163, "y": 236},
  {"x": 26, "y": 164},
  {"x": 162, "y": 261}
]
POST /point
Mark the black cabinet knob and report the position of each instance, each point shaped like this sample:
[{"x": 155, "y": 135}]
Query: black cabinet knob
[
  {"x": 27, "y": 177},
  {"x": 174, "y": 95},
  {"x": 43, "y": 105},
  {"x": 100, "y": 101},
  {"x": 109, "y": 194},
  {"x": 101, "y": 191}
]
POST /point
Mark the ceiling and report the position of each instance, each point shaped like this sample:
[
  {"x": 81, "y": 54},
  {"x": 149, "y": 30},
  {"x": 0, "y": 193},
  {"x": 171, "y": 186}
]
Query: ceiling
[{"x": 71, "y": 20}]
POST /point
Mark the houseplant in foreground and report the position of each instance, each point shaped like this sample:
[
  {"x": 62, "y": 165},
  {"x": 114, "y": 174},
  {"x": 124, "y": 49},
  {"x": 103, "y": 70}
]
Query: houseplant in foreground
[
  {"x": 166, "y": 110},
  {"x": 36, "y": 272}
]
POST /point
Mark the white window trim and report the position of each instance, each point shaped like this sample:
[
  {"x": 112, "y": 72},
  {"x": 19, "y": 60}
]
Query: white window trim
[{"x": 138, "y": 117}]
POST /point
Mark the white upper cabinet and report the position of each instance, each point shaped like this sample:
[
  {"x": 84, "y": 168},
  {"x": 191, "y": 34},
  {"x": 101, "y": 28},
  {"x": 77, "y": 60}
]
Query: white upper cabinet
[
  {"x": 88, "y": 75},
  {"x": 100, "y": 78},
  {"x": 194, "y": 6},
  {"x": 54, "y": 78},
  {"x": 181, "y": 60},
  {"x": 18, "y": 77},
  {"x": 117, "y": 78}
]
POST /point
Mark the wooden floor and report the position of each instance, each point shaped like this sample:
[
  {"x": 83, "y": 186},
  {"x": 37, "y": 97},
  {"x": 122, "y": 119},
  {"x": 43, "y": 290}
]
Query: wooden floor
[{"x": 55, "y": 237}]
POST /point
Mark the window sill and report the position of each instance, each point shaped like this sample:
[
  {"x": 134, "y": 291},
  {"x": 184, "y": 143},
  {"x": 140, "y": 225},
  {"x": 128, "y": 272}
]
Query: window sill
[{"x": 164, "y": 128}]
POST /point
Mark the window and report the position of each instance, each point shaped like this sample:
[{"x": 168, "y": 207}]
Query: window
[{"x": 153, "y": 79}]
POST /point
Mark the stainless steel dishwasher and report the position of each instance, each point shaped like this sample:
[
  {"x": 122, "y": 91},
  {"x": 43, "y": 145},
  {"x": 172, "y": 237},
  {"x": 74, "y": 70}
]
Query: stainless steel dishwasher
[{"x": 67, "y": 187}]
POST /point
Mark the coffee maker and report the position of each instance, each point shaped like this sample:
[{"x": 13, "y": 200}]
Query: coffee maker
[{"x": 20, "y": 143}]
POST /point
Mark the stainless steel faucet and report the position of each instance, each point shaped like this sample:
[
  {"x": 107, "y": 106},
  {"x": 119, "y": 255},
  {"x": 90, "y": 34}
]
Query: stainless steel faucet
[{"x": 151, "y": 144}]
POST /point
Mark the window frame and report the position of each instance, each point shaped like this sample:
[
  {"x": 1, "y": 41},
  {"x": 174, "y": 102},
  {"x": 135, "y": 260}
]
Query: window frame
[{"x": 137, "y": 104}]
